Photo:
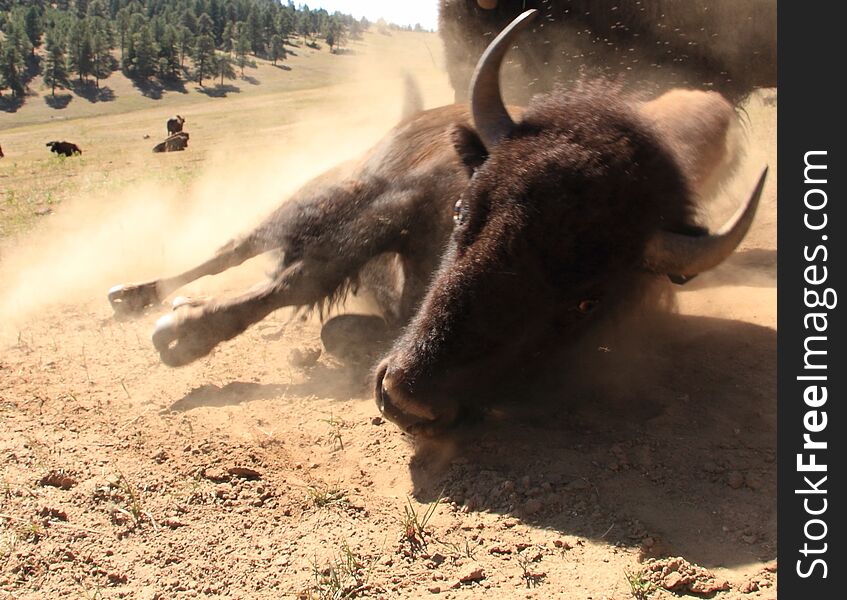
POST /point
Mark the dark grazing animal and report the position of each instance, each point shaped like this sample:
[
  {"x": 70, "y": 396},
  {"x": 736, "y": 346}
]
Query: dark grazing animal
[
  {"x": 175, "y": 124},
  {"x": 174, "y": 143},
  {"x": 559, "y": 216},
  {"x": 64, "y": 148},
  {"x": 724, "y": 45}
]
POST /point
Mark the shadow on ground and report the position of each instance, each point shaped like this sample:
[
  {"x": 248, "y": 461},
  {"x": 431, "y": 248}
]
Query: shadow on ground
[
  {"x": 219, "y": 91},
  {"x": 671, "y": 448},
  {"x": 335, "y": 382},
  {"x": 155, "y": 88},
  {"x": 59, "y": 101},
  {"x": 91, "y": 92},
  {"x": 755, "y": 267},
  {"x": 11, "y": 104}
]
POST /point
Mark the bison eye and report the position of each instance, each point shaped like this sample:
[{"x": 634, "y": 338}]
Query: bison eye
[
  {"x": 586, "y": 306},
  {"x": 458, "y": 213}
]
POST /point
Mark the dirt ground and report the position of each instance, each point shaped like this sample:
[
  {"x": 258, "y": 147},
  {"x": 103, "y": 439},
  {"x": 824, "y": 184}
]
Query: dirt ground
[{"x": 244, "y": 476}]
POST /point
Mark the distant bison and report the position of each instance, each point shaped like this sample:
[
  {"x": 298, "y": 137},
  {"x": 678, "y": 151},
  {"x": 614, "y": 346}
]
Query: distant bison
[
  {"x": 175, "y": 143},
  {"x": 64, "y": 148},
  {"x": 175, "y": 124},
  {"x": 728, "y": 46}
]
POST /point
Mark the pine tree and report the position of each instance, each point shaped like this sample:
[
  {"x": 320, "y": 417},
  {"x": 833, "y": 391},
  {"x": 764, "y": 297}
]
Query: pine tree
[
  {"x": 12, "y": 68},
  {"x": 242, "y": 46},
  {"x": 277, "y": 48},
  {"x": 169, "y": 53},
  {"x": 255, "y": 32},
  {"x": 334, "y": 32},
  {"x": 80, "y": 54},
  {"x": 224, "y": 67},
  {"x": 228, "y": 37},
  {"x": 33, "y": 27},
  {"x": 55, "y": 69},
  {"x": 122, "y": 21},
  {"x": 146, "y": 53},
  {"x": 205, "y": 25},
  {"x": 185, "y": 41},
  {"x": 102, "y": 55},
  {"x": 205, "y": 63}
]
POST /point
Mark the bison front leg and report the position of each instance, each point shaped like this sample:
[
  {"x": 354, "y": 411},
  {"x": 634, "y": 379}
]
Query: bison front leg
[
  {"x": 132, "y": 299},
  {"x": 190, "y": 333}
]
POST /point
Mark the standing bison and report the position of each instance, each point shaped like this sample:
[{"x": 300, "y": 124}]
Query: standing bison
[
  {"x": 64, "y": 148},
  {"x": 484, "y": 246},
  {"x": 724, "y": 45},
  {"x": 175, "y": 124}
]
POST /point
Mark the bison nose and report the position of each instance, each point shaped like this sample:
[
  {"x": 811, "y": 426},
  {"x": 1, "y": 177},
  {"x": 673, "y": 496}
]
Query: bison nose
[{"x": 395, "y": 400}]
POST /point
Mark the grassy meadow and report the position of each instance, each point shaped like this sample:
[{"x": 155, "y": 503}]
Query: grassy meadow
[{"x": 252, "y": 114}]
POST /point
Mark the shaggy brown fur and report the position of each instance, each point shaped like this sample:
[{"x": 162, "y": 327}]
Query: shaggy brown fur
[
  {"x": 64, "y": 148},
  {"x": 553, "y": 228},
  {"x": 723, "y": 45}
]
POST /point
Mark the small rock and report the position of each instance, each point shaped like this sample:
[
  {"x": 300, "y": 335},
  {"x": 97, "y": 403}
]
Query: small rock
[
  {"x": 711, "y": 467},
  {"x": 435, "y": 589},
  {"x": 471, "y": 573},
  {"x": 735, "y": 480},
  {"x": 244, "y": 472},
  {"x": 58, "y": 479},
  {"x": 672, "y": 581},
  {"x": 380, "y": 421},
  {"x": 754, "y": 481},
  {"x": 749, "y": 587},
  {"x": 577, "y": 485},
  {"x": 53, "y": 513},
  {"x": 216, "y": 474}
]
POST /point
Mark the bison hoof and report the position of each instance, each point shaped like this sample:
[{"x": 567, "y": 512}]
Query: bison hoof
[
  {"x": 133, "y": 299},
  {"x": 180, "y": 340},
  {"x": 181, "y": 301}
]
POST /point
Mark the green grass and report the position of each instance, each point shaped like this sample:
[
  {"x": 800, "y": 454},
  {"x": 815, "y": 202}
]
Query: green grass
[{"x": 116, "y": 155}]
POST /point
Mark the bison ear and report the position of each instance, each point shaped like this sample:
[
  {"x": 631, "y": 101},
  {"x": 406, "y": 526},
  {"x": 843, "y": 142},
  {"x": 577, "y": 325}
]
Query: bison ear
[{"x": 469, "y": 146}]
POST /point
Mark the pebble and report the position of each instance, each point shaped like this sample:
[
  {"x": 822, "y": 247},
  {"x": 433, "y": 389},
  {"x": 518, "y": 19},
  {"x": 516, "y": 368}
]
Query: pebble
[
  {"x": 735, "y": 479},
  {"x": 532, "y": 506},
  {"x": 471, "y": 573}
]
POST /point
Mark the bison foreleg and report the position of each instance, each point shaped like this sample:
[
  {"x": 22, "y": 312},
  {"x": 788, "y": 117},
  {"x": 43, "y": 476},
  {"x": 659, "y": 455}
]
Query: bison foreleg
[
  {"x": 192, "y": 332},
  {"x": 128, "y": 299}
]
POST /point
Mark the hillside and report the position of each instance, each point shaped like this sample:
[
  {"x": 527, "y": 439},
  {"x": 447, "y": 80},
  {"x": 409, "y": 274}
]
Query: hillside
[{"x": 254, "y": 113}]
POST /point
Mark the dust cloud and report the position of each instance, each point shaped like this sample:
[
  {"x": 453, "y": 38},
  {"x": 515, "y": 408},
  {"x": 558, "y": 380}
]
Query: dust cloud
[{"x": 154, "y": 228}]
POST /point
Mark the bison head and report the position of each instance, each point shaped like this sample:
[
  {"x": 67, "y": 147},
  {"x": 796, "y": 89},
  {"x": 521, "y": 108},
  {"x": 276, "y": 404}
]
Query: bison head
[{"x": 566, "y": 212}]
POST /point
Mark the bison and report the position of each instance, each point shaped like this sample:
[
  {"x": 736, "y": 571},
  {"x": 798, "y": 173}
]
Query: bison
[
  {"x": 174, "y": 143},
  {"x": 724, "y": 45},
  {"x": 175, "y": 124},
  {"x": 481, "y": 245},
  {"x": 64, "y": 148}
]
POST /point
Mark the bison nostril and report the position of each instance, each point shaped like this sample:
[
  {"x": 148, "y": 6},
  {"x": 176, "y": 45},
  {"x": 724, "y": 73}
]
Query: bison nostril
[{"x": 396, "y": 402}]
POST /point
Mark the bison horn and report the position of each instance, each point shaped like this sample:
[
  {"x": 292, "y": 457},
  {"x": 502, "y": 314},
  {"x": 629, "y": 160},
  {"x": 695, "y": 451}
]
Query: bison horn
[
  {"x": 490, "y": 117},
  {"x": 685, "y": 256}
]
